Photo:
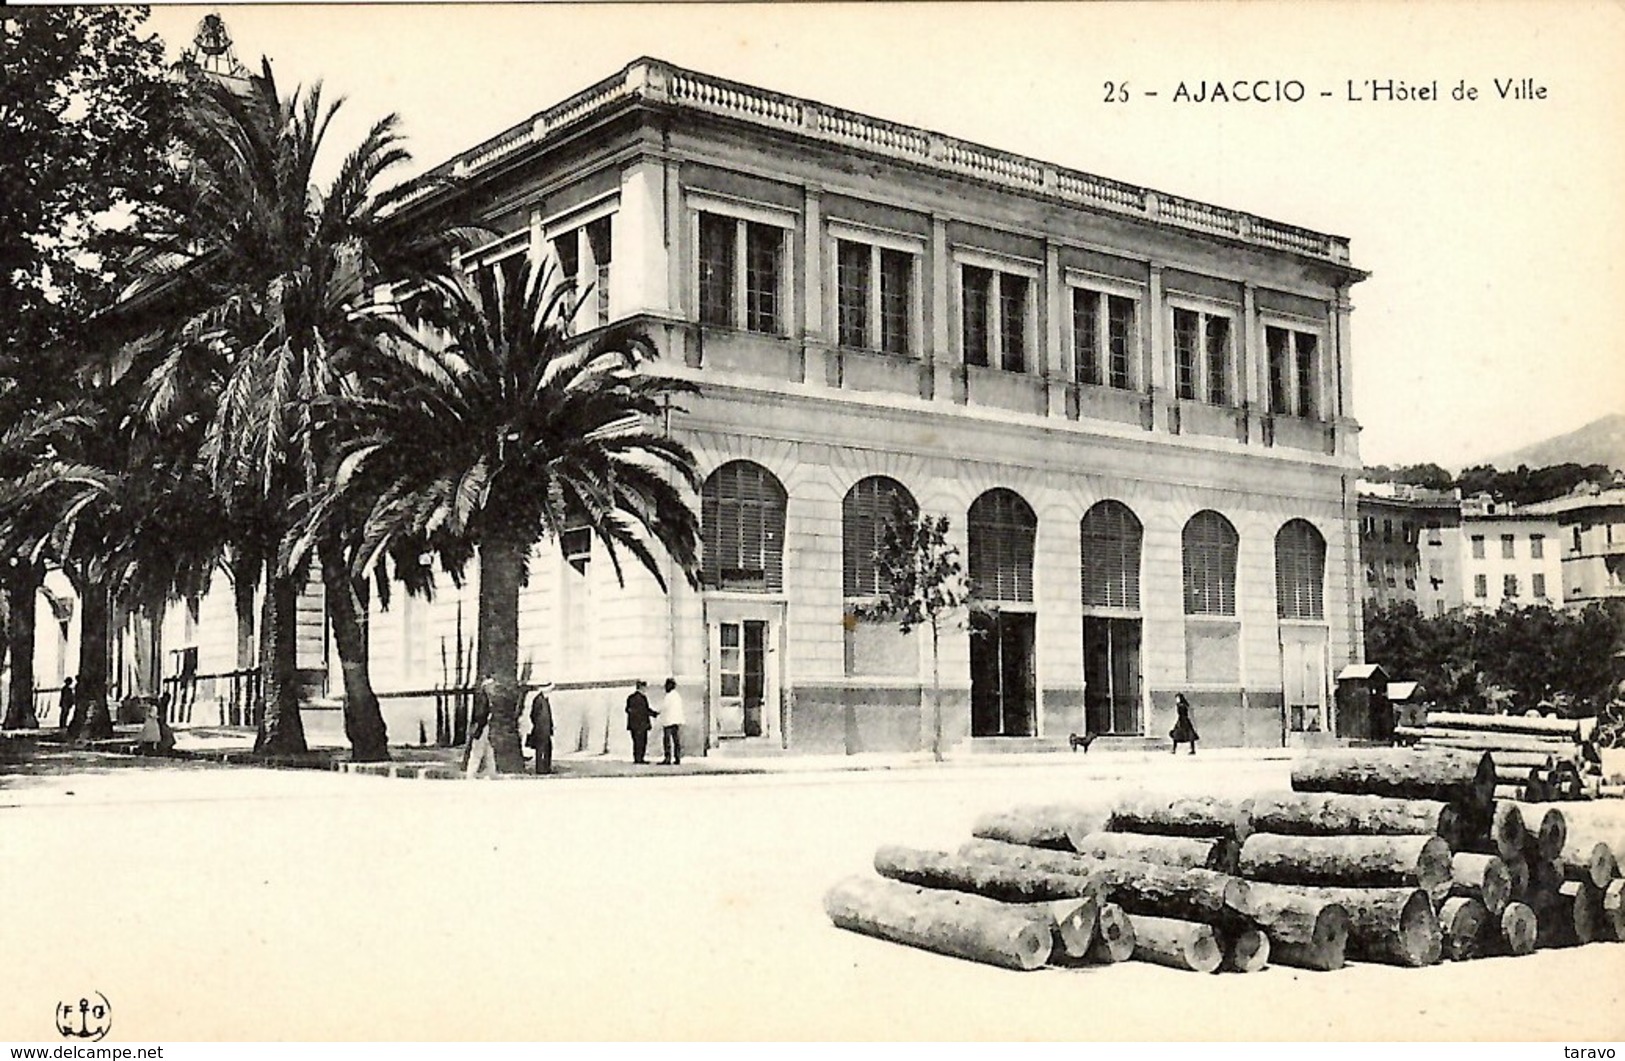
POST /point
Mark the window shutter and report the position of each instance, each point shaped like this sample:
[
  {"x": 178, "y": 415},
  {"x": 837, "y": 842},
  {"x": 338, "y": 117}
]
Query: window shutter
[
  {"x": 1210, "y": 565},
  {"x": 1002, "y": 528},
  {"x": 742, "y": 509},
  {"x": 1300, "y": 572},
  {"x": 1111, "y": 557},
  {"x": 864, "y": 513}
]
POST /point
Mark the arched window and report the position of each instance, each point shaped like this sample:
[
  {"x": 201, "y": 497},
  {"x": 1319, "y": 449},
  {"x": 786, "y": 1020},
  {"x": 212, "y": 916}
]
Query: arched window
[
  {"x": 1001, "y": 529},
  {"x": 1300, "y": 571},
  {"x": 868, "y": 506},
  {"x": 1210, "y": 565},
  {"x": 1111, "y": 557},
  {"x": 742, "y": 519}
]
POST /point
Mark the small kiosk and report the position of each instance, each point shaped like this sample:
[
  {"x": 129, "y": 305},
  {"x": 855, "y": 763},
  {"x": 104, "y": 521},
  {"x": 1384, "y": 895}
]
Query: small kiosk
[{"x": 1363, "y": 713}]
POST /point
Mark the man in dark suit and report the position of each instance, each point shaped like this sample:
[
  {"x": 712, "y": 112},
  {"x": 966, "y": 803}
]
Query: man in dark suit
[
  {"x": 638, "y": 716},
  {"x": 541, "y": 728}
]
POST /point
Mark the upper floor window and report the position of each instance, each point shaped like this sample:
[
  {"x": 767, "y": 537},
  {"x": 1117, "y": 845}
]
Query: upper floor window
[
  {"x": 1576, "y": 544},
  {"x": 583, "y": 256},
  {"x": 996, "y": 310},
  {"x": 1481, "y": 586},
  {"x": 1509, "y": 585},
  {"x": 1203, "y": 361},
  {"x": 1478, "y": 547},
  {"x": 742, "y": 275},
  {"x": 1537, "y": 586},
  {"x": 1294, "y": 371},
  {"x": 1508, "y": 551},
  {"x": 875, "y": 296},
  {"x": 1105, "y": 338},
  {"x": 1537, "y": 546}
]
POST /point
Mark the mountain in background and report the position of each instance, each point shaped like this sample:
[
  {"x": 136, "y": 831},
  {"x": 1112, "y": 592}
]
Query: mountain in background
[{"x": 1599, "y": 442}]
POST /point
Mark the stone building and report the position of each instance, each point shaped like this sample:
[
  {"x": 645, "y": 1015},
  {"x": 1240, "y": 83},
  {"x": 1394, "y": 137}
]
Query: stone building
[
  {"x": 1410, "y": 546},
  {"x": 1132, "y": 407},
  {"x": 1510, "y": 554},
  {"x": 1590, "y": 539}
]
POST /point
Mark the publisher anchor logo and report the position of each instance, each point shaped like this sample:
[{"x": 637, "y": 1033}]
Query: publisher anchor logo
[{"x": 85, "y": 1018}]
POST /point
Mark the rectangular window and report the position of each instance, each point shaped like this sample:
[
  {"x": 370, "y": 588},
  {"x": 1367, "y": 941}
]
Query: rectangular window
[
  {"x": 1294, "y": 370},
  {"x": 1478, "y": 547},
  {"x": 1218, "y": 361},
  {"x": 1509, "y": 585},
  {"x": 1186, "y": 324},
  {"x": 1481, "y": 586},
  {"x": 1013, "y": 321},
  {"x": 1120, "y": 332},
  {"x": 896, "y": 299},
  {"x": 1537, "y": 546},
  {"x": 1507, "y": 551},
  {"x": 852, "y": 292},
  {"x": 1576, "y": 546},
  {"x": 1433, "y": 533},
  {"x": 598, "y": 245},
  {"x": 1086, "y": 337},
  {"x": 718, "y": 241},
  {"x": 764, "y": 253},
  {"x": 1537, "y": 586},
  {"x": 976, "y": 285},
  {"x": 1304, "y": 346}
]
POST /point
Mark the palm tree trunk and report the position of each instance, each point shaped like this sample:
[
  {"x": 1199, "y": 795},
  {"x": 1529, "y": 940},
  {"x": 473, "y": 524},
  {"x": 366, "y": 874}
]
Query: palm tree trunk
[
  {"x": 282, "y": 730},
  {"x": 22, "y": 586},
  {"x": 347, "y": 611},
  {"x": 93, "y": 629},
  {"x": 502, "y": 569}
]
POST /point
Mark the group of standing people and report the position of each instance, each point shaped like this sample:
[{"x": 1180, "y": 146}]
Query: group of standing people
[{"x": 640, "y": 720}]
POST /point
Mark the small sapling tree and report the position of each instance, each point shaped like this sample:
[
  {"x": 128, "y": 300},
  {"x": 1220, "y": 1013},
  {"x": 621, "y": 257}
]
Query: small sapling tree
[{"x": 923, "y": 585}]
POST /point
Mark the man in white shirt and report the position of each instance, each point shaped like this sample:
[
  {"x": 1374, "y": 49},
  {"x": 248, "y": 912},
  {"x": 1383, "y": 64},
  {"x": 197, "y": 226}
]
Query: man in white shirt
[{"x": 671, "y": 723}]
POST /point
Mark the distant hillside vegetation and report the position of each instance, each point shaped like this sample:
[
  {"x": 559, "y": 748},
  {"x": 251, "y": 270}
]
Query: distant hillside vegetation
[{"x": 1599, "y": 442}]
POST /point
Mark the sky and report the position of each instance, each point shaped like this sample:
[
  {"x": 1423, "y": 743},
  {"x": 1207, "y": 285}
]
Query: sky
[{"x": 1492, "y": 227}]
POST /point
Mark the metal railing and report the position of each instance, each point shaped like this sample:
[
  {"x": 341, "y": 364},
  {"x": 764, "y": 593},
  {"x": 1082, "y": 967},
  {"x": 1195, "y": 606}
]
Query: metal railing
[{"x": 239, "y": 696}]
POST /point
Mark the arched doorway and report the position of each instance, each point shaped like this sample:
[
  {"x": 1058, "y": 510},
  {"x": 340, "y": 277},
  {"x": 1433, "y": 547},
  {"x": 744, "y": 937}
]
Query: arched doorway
[
  {"x": 1003, "y": 676},
  {"x": 742, "y": 513},
  {"x": 1110, "y": 563}
]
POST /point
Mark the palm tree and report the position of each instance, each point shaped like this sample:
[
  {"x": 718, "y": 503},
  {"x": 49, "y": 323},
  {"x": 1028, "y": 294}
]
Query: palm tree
[
  {"x": 279, "y": 272},
  {"x": 506, "y": 433}
]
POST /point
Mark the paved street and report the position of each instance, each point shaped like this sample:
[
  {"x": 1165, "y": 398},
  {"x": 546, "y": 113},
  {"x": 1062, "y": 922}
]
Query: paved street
[{"x": 251, "y": 904}]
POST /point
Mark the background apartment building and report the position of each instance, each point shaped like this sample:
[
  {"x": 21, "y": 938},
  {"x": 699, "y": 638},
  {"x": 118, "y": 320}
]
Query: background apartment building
[
  {"x": 1510, "y": 555},
  {"x": 1410, "y": 546},
  {"x": 1591, "y": 541}
]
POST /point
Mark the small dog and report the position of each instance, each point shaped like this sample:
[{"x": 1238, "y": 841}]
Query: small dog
[{"x": 1081, "y": 742}]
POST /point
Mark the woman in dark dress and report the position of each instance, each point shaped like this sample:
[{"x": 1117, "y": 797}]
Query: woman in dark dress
[{"x": 1184, "y": 732}]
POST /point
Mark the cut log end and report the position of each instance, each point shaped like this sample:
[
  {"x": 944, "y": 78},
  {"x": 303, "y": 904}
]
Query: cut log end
[
  {"x": 1553, "y": 833},
  {"x": 964, "y": 926},
  {"x": 1482, "y": 877},
  {"x": 1507, "y": 829},
  {"x": 1178, "y": 944},
  {"x": 1248, "y": 951},
  {"x": 1463, "y": 921},
  {"x": 1593, "y": 863},
  {"x": 1114, "y": 935},
  {"x": 1613, "y": 909},
  {"x": 1518, "y": 929}
]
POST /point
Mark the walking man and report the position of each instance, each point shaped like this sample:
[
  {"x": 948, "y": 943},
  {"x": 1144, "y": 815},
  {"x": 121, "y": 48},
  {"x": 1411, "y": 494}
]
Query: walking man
[
  {"x": 482, "y": 759},
  {"x": 541, "y": 729},
  {"x": 638, "y": 716},
  {"x": 671, "y": 725},
  {"x": 66, "y": 708}
]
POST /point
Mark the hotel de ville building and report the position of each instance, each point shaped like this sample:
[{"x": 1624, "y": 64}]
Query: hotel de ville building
[{"x": 1132, "y": 407}]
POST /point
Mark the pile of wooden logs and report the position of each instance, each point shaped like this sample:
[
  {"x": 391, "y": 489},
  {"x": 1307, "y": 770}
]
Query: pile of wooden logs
[
  {"x": 1397, "y": 856},
  {"x": 1537, "y": 757}
]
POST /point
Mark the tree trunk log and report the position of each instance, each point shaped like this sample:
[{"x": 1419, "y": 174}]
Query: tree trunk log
[
  {"x": 1577, "y": 729},
  {"x": 1246, "y": 951},
  {"x": 1518, "y": 872},
  {"x": 964, "y": 926},
  {"x": 1392, "y": 925},
  {"x": 1481, "y": 877},
  {"x": 1188, "y": 945},
  {"x": 1518, "y": 764},
  {"x": 1507, "y": 831},
  {"x": 1350, "y": 861},
  {"x": 1591, "y": 862},
  {"x": 1545, "y": 874},
  {"x": 1573, "y": 918},
  {"x": 22, "y": 582},
  {"x": 94, "y": 609},
  {"x": 1552, "y": 834},
  {"x": 1305, "y": 931},
  {"x": 1514, "y": 932},
  {"x": 1463, "y": 778},
  {"x": 1008, "y": 884},
  {"x": 1464, "y": 922},
  {"x": 1334, "y": 814},
  {"x": 281, "y": 730},
  {"x": 1071, "y": 923},
  {"x": 347, "y": 616},
  {"x": 1200, "y": 817},
  {"x": 1040, "y": 825},
  {"x": 1613, "y": 909},
  {"x": 1489, "y": 742},
  {"x": 1115, "y": 939},
  {"x": 1178, "y": 851},
  {"x": 1138, "y": 887}
]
